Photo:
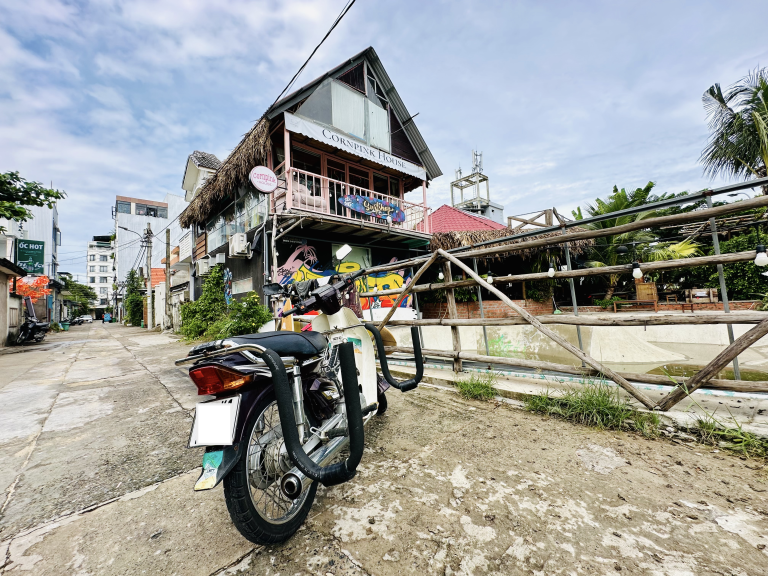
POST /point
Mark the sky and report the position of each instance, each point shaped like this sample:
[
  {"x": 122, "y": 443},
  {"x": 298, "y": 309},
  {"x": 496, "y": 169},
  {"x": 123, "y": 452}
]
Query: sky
[{"x": 564, "y": 99}]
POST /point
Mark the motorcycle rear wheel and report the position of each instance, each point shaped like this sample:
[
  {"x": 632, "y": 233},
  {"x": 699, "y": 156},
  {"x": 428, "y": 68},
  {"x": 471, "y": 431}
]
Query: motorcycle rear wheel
[{"x": 261, "y": 513}]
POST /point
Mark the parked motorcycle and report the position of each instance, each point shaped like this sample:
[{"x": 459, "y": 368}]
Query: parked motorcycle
[
  {"x": 286, "y": 405},
  {"x": 31, "y": 329}
]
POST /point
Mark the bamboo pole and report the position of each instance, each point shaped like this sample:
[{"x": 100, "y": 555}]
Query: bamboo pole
[
  {"x": 453, "y": 314},
  {"x": 647, "y": 402},
  {"x": 603, "y": 271},
  {"x": 718, "y": 363},
  {"x": 733, "y": 385},
  {"x": 611, "y": 319},
  {"x": 503, "y": 247},
  {"x": 407, "y": 289}
]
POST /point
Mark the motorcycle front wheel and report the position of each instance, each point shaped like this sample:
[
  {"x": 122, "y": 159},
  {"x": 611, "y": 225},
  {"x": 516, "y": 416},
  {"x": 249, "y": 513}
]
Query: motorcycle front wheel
[{"x": 255, "y": 502}]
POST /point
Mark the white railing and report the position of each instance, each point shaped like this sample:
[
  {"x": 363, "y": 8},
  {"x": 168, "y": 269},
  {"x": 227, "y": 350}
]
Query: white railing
[{"x": 307, "y": 191}]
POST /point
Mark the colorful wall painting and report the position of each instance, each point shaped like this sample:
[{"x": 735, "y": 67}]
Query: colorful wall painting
[
  {"x": 373, "y": 207},
  {"x": 303, "y": 264}
]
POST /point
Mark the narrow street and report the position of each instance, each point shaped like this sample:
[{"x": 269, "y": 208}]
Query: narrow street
[{"x": 97, "y": 479}]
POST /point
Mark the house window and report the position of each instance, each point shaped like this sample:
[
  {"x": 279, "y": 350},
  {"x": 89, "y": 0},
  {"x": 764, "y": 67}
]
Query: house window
[
  {"x": 92, "y": 257},
  {"x": 103, "y": 302},
  {"x": 91, "y": 268},
  {"x": 103, "y": 290},
  {"x": 103, "y": 269},
  {"x": 141, "y": 209},
  {"x": 162, "y": 212},
  {"x": 92, "y": 279},
  {"x": 123, "y": 207},
  {"x": 103, "y": 279},
  {"x": 103, "y": 258}
]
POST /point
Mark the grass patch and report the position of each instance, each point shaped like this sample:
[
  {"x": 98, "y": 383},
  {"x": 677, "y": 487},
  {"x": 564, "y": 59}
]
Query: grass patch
[
  {"x": 595, "y": 404},
  {"x": 478, "y": 387},
  {"x": 714, "y": 432}
]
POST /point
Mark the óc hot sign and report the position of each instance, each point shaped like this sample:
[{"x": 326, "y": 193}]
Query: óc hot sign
[{"x": 263, "y": 179}]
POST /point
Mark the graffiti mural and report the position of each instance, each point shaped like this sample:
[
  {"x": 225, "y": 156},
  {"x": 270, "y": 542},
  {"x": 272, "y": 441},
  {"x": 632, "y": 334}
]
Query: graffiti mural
[{"x": 303, "y": 264}]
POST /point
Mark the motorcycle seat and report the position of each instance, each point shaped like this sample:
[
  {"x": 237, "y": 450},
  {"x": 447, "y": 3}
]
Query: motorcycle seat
[{"x": 301, "y": 345}]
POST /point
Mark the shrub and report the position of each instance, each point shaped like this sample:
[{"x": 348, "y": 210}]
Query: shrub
[
  {"x": 55, "y": 327},
  {"x": 605, "y": 303}
]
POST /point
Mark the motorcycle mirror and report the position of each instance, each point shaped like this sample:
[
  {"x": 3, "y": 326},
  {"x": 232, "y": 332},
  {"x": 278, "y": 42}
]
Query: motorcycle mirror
[
  {"x": 343, "y": 252},
  {"x": 273, "y": 289}
]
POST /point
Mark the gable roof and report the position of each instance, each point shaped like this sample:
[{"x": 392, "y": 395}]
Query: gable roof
[
  {"x": 205, "y": 160},
  {"x": 398, "y": 107},
  {"x": 450, "y": 219}
]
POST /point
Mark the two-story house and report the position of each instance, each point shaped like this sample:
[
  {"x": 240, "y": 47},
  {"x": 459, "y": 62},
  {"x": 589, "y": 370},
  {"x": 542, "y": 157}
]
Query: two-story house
[{"x": 352, "y": 169}]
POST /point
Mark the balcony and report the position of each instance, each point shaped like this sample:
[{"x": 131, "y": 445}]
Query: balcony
[{"x": 305, "y": 191}]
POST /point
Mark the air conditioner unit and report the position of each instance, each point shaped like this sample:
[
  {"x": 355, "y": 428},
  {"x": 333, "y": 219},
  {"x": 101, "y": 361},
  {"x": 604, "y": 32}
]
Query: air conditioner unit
[
  {"x": 220, "y": 258},
  {"x": 238, "y": 245},
  {"x": 202, "y": 267}
]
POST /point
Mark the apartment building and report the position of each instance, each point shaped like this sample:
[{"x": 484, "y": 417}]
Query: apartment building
[{"x": 101, "y": 271}]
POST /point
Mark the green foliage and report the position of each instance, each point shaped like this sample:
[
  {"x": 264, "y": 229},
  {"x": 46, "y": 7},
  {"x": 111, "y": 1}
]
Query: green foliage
[
  {"x": 607, "y": 302},
  {"x": 16, "y": 193},
  {"x": 460, "y": 294},
  {"x": 55, "y": 327},
  {"x": 595, "y": 404},
  {"x": 738, "y": 121},
  {"x": 80, "y": 294},
  {"x": 134, "y": 301},
  {"x": 712, "y": 431},
  {"x": 743, "y": 279},
  {"x": 209, "y": 316},
  {"x": 478, "y": 386}
]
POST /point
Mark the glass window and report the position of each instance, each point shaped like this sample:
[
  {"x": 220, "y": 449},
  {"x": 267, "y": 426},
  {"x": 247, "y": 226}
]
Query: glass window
[
  {"x": 103, "y": 269},
  {"x": 103, "y": 280},
  {"x": 394, "y": 187},
  {"x": 103, "y": 258},
  {"x": 92, "y": 279},
  {"x": 103, "y": 301},
  {"x": 103, "y": 290},
  {"x": 141, "y": 209},
  {"x": 123, "y": 207},
  {"x": 92, "y": 257},
  {"x": 305, "y": 160},
  {"x": 162, "y": 212},
  {"x": 216, "y": 233},
  {"x": 152, "y": 211},
  {"x": 380, "y": 184},
  {"x": 91, "y": 268},
  {"x": 359, "y": 178}
]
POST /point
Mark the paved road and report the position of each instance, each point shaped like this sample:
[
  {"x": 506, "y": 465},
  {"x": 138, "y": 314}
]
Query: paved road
[{"x": 97, "y": 480}]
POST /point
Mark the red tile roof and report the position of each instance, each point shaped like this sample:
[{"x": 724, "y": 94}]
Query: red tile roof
[
  {"x": 158, "y": 276},
  {"x": 450, "y": 219}
]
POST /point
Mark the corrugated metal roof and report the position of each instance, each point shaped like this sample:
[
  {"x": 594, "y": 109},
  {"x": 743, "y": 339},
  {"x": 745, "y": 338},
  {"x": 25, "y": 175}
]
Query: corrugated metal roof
[{"x": 369, "y": 54}]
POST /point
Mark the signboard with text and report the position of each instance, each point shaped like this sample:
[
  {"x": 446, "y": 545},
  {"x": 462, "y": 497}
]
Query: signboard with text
[{"x": 30, "y": 255}]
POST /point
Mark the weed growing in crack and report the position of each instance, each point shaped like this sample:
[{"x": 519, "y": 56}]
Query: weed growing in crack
[
  {"x": 478, "y": 386},
  {"x": 595, "y": 404}
]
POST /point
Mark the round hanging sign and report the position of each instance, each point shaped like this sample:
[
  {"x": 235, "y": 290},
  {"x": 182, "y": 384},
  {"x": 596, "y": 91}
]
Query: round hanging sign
[{"x": 264, "y": 179}]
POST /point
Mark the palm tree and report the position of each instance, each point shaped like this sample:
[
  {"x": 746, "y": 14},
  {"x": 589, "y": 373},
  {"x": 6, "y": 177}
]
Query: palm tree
[
  {"x": 738, "y": 120},
  {"x": 606, "y": 251}
]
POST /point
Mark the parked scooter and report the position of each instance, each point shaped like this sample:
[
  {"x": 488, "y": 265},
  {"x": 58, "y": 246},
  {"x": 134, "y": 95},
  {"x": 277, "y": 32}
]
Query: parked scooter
[
  {"x": 31, "y": 329},
  {"x": 286, "y": 405}
]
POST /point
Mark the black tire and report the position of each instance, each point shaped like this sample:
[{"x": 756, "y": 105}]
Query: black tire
[
  {"x": 247, "y": 518},
  {"x": 382, "y": 398},
  {"x": 22, "y": 335}
]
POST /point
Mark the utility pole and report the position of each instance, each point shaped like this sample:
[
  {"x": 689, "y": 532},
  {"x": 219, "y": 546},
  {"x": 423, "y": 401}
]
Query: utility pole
[
  {"x": 167, "y": 323},
  {"x": 150, "y": 325}
]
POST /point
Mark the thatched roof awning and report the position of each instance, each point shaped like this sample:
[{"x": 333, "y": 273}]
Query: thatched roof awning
[
  {"x": 450, "y": 240},
  {"x": 250, "y": 152}
]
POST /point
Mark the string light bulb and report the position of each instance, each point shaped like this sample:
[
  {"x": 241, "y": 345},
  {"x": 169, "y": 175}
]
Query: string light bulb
[
  {"x": 489, "y": 279},
  {"x": 636, "y": 272},
  {"x": 761, "y": 259},
  {"x": 440, "y": 276},
  {"x": 551, "y": 271}
]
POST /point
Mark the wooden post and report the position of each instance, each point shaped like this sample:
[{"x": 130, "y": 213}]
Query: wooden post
[
  {"x": 287, "y": 165},
  {"x": 482, "y": 313},
  {"x": 610, "y": 374},
  {"x": 452, "y": 313},
  {"x": 407, "y": 290},
  {"x": 427, "y": 227},
  {"x": 718, "y": 363}
]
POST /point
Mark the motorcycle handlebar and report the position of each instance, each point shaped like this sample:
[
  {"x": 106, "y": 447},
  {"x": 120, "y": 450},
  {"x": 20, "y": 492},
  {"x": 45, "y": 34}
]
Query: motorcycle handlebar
[
  {"x": 306, "y": 305},
  {"x": 405, "y": 385}
]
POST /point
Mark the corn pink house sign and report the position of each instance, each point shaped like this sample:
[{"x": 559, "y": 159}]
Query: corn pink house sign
[{"x": 263, "y": 179}]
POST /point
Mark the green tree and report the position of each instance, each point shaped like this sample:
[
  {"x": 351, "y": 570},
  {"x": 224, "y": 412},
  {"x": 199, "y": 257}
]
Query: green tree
[
  {"x": 16, "y": 193},
  {"x": 80, "y": 294},
  {"x": 134, "y": 301},
  {"x": 738, "y": 121},
  {"x": 646, "y": 247}
]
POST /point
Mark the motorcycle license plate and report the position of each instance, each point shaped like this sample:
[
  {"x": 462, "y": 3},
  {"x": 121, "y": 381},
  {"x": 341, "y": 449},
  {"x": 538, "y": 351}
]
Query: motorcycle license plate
[{"x": 214, "y": 423}]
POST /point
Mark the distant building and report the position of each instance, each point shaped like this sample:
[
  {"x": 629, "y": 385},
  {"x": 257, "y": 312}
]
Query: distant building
[
  {"x": 101, "y": 271},
  {"x": 131, "y": 218},
  {"x": 450, "y": 219},
  {"x": 467, "y": 192},
  {"x": 200, "y": 167}
]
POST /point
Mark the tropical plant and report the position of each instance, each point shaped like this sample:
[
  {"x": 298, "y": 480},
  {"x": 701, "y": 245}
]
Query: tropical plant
[
  {"x": 134, "y": 301},
  {"x": 738, "y": 121},
  {"x": 80, "y": 294},
  {"x": 16, "y": 193},
  {"x": 605, "y": 251}
]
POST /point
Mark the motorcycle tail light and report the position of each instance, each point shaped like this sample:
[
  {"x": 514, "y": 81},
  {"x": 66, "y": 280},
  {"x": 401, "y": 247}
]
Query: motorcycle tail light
[{"x": 214, "y": 379}]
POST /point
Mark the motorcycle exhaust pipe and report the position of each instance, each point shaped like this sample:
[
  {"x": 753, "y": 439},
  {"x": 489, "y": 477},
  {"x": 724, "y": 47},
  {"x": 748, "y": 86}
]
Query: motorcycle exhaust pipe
[{"x": 294, "y": 482}]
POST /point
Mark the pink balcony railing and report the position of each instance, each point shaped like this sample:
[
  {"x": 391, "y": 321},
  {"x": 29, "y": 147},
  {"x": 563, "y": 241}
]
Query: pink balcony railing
[{"x": 313, "y": 193}]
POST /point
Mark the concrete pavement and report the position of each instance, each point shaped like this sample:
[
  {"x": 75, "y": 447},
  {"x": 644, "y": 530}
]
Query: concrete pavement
[{"x": 97, "y": 480}]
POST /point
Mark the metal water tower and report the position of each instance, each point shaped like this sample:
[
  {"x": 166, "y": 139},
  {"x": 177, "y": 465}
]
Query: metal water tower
[{"x": 468, "y": 191}]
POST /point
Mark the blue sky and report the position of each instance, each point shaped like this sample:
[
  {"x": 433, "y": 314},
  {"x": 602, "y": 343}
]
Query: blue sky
[{"x": 564, "y": 99}]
